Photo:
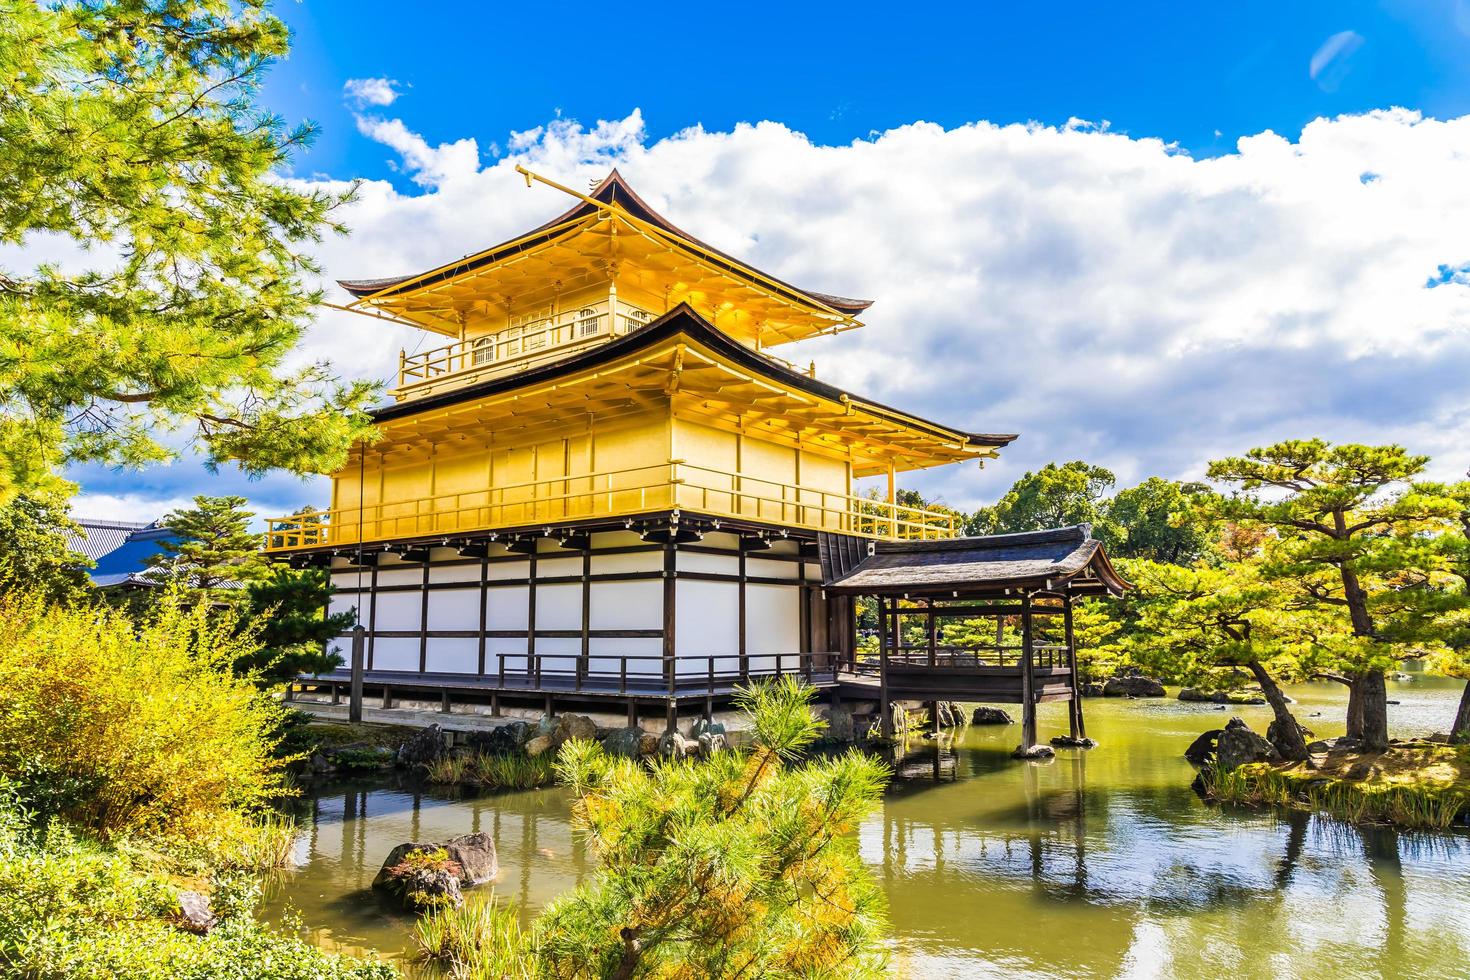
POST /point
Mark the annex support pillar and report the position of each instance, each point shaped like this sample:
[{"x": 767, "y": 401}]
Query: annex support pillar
[
  {"x": 1028, "y": 681},
  {"x": 354, "y": 704},
  {"x": 1074, "y": 706}
]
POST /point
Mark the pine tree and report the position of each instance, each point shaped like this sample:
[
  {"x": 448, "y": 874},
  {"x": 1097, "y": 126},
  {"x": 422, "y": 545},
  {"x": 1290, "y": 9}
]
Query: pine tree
[
  {"x": 35, "y": 556},
  {"x": 743, "y": 865},
  {"x": 1350, "y": 542},
  {"x": 215, "y": 550},
  {"x": 131, "y": 129},
  {"x": 1202, "y": 626},
  {"x": 287, "y": 611}
]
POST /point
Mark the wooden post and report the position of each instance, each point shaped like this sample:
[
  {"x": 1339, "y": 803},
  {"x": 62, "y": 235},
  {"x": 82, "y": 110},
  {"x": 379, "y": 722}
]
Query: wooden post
[
  {"x": 354, "y": 706},
  {"x": 1074, "y": 714},
  {"x": 885, "y": 709},
  {"x": 1028, "y": 682}
]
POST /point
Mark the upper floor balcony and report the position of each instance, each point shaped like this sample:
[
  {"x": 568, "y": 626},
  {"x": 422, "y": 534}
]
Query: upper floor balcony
[
  {"x": 647, "y": 489},
  {"x": 526, "y": 343}
]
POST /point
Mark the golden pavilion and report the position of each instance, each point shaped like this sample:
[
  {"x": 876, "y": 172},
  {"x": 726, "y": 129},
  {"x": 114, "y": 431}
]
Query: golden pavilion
[{"x": 601, "y": 482}]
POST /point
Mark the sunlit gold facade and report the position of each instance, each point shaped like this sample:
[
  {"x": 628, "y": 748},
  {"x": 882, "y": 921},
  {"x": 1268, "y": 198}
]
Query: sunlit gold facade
[{"x": 608, "y": 365}]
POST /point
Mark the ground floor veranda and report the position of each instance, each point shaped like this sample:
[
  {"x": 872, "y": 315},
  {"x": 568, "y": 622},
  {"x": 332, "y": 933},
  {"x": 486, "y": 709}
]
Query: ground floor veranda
[{"x": 670, "y": 616}]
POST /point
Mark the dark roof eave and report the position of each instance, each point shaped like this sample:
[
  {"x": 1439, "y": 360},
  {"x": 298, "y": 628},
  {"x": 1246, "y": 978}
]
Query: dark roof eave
[{"x": 680, "y": 319}]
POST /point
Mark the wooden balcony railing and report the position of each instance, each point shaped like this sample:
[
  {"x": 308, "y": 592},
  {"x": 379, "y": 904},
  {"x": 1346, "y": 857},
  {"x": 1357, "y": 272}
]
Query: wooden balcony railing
[
  {"x": 662, "y": 486},
  {"x": 516, "y": 348}
]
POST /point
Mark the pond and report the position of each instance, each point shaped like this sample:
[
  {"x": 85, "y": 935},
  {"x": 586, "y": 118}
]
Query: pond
[{"x": 1098, "y": 863}]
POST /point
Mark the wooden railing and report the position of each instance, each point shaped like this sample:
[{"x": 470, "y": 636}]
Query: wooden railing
[
  {"x": 640, "y": 674},
  {"x": 516, "y": 348},
  {"x": 618, "y": 493}
]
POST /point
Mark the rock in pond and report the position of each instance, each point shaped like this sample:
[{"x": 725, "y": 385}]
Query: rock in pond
[
  {"x": 950, "y": 715},
  {"x": 673, "y": 746},
  {"x": 1133, "y": 686},
  {"x": 1239, "y": 745},
  {"x": 504, "y": 740},
  {"x": 429, "y": 875},
  {"x": 1034, "y": 752},
  {"x": 986, "y": 715},
  {"x": 1073, "y": 742},
  {"x": 423, "y": 747},
  {"x": 625, "y": 742},
  {"x": 1202, "y": 749},
  {"x": 539, "y": 744}
]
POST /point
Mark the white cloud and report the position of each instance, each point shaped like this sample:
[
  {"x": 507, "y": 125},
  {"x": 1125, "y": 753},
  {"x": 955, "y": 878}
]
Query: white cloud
[
  {"x": 362, "y": 92},
  {"x": 1109, "y": 298}
]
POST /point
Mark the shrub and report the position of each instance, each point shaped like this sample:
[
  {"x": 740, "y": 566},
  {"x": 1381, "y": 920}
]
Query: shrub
[
  {"x": 75, "y": 908},
  {"x": 134, "y": 728}
]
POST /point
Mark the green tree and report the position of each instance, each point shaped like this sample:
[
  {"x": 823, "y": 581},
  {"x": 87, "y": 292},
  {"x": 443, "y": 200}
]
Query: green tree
[
  {"x": 35, "y": 556},
  {"x": 742, "y": 866},
  {"x": 215, "y": 550},
  {"x": 1159, "y": 520},
  {"x": 1452, "y": 656},
  {"x": 1349, "y": 542},
  {"x": 286, "y": 612},
  {"x": 130, "y": 129},
  {"x": 1053, "y": 496},
  {"x": 1201, "y": 626}
]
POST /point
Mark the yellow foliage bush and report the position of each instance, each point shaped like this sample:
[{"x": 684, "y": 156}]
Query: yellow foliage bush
[{"x": 135, "y": 728}]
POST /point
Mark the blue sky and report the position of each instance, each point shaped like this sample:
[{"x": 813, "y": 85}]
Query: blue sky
[
  {"x": 1241, "y": 242},
  {"x": 1200, "y": 75}
]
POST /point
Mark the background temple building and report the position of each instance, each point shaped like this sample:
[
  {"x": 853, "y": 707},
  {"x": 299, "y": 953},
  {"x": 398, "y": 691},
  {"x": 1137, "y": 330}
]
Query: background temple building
[{"x": 603, "y": 485}]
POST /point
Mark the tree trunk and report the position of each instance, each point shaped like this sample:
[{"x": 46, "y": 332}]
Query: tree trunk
[
  {"x": 1355, "y": 710},
  {"x": 1373, "y": 692},
  {"x": 1290, "y": 742},
  {"x": 1461, "y": 730}
]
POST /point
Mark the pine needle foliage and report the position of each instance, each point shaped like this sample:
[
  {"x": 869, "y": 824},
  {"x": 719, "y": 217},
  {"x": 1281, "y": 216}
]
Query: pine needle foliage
[{"x": 740, "y": 865}]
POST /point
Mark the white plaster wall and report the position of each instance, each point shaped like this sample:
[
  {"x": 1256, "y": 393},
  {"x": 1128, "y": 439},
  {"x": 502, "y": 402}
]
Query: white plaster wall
[
  {"x": 396, "y": 653},
  {"x": 627, "y": 606},
  {"x": 558, "y": 654},
  {"x": 455, "y": 573},
  {"x": 549, "y": 567},
  {"x": 456, "y": 655},
  {"x": 399, "y": 610},
  {"x": 559, "y": 607},
  {"x": 454, "y": 609},
  {"x": 772, "y": 625},
  {"x": 707, "y": 623},
  {"x": 764, "y": 568},
  {"x": 514, "y": 650},
  {"x": 405, "y": 575},
  {"x": 507, "y": 569},
  {"x": 638, "y": 561},
  {"x": 340, "y": 603},
  {"x": 506, "y": 607},
  {"x": 604, "y": 652},
  {"x": 720, "y": 564}
]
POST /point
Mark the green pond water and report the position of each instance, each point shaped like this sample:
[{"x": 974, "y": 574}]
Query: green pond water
[{"x": 1097, "y": 864}]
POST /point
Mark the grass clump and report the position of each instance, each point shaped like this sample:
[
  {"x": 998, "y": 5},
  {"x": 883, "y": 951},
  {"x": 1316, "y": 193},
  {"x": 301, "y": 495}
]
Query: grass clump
[
  {"x": 481, "y": 940},
  {"x": 1415, "y": 787},
  {"x": 486, "y": 771}
]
